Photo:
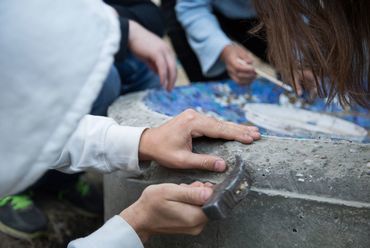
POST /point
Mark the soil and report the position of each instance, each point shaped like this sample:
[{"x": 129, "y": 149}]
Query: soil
[{"x": 66, "y": 223}]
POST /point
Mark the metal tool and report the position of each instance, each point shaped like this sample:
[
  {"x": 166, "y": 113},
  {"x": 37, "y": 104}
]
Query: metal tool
[
  {"x": 229, "y": 193},
  {"x": 269, "y": 77}
]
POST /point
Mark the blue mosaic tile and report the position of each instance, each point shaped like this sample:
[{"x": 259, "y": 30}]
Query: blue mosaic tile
[{"x": 225, "y": 100}]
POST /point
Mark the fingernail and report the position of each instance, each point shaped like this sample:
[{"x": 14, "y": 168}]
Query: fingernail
[
  {"x": 258, "y": 135},
  {"x": 205, "y": 194},
  {"x": 248, "y": 138},
  {"x": 220, "y": 165}
]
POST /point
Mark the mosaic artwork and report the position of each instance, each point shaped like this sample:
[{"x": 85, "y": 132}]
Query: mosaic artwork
[{"x": 229, "y": 101}]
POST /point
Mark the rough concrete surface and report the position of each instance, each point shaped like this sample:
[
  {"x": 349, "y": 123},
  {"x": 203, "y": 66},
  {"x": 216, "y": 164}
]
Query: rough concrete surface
[{"x": 306, "y": 193}]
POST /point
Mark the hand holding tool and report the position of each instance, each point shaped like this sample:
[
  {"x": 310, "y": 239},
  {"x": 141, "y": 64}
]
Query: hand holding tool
[{"x": 229, "y": 193}]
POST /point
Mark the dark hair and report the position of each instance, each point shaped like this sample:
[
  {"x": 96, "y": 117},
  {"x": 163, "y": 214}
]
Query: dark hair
[{"x": 329, "y": 37}]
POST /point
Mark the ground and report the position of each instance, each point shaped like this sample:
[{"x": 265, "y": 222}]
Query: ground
[{"x": 65, "y": 223}]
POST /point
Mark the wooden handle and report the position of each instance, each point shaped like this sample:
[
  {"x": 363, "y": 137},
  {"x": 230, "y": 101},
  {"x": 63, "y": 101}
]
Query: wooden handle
[
  {"x": 273, "y": 80},
  {"x": 268, "y": 77}
]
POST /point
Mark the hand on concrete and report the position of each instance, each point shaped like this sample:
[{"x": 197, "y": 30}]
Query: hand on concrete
[
  {"x": 169, "y": 209},
  {"x": 171, "y": 144},
  {"x": 239, "y": 64},
  {"x": 155, "y": 52},
  {"x": 305, "y": 81}
]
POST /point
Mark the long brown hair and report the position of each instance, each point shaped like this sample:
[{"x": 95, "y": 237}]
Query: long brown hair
[{"x": 329, "y": 37}]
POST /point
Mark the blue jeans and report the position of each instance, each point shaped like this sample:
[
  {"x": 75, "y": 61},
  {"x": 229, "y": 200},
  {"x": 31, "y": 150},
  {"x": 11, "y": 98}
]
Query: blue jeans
[
  {"x": 136, "y": 75},
  {"x": 108, "y": 94},
  {"x": 126, "y": 77}
]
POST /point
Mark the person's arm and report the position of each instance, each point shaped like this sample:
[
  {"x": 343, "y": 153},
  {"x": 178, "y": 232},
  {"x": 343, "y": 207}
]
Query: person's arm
[
  {"x": 215, "y": 51},
  {"x": 161, "y": 209},
  {"x": 100, "y": 144},
  {"x": 115, "y": 233},
  {"x": 204, "y": 34},
  {"x": 155, "y": 52}
]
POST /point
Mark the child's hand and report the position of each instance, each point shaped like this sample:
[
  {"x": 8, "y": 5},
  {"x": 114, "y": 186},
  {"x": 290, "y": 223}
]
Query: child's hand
[
  {"x": 171, "y": 144},
  {"x": 169, "y": 209},
  {"x": 305, "y": 81},
  {"x": 239, "y": 64},
  {"x": 155, "y": 52}
]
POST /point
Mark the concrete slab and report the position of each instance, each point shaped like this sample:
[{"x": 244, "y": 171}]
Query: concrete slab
[{"x": 306, "y": 192}]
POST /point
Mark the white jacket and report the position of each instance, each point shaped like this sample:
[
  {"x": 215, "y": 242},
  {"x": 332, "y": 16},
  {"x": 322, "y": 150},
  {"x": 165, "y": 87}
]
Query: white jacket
[{"x": 54, "y": 58}]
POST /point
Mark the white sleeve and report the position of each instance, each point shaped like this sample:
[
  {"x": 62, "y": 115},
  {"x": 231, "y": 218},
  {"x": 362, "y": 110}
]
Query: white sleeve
[
  {"x": 115, "y": 233},
  {"x": 100, "y": 144}
]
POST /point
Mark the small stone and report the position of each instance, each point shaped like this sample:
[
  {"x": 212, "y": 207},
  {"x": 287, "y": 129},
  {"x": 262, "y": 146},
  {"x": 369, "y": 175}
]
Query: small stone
[
  {"x": 368, "y": 172},
  {"x": 300, "y": 180},
  {"x": 368, "y": 165},
  {"x": 299, "y": 175},
  {"x": 352, "y": 150},
  {"x": 308, "y": 162},
  {"x": 324, "y": 157}
]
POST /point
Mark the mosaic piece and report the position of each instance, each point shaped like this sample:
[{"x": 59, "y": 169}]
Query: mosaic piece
[{"x": 227, "y": 101}]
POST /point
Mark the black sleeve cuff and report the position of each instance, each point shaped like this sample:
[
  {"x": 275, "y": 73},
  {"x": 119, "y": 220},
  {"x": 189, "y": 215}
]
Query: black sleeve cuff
[{"x": 121, "y": 54}]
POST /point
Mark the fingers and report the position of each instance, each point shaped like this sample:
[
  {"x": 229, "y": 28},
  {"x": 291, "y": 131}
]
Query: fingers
[
  {"x": 198, "y": 184},
  {"x": 192, "y": 230},
  {"x": 241, "y": 71},
  {"x": 169, "y": 208},
  {"x": 190, "y": 195},
  {"x": 171, "y": 69},
  {"x": 165, "y": 64},
  {"x": 239, "y": 64},
  {"x": 161, "y": 68},
  {"x": 242, "y": 78},
  {"x": 298, "y": 86},
  {"x": 305, "y": 81},
  {"x": 213, "y": 128},
  {"x": 194, "y": 184},
  {"x": 209, "y": 185},
  {"x": 191, "y": 217},
  {"x": 204, "y": 162},
  {"x": 242, "y": 66},
  {"x": 175, "y": 139}
]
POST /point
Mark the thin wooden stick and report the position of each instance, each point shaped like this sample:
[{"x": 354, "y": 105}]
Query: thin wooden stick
[{"x": 268, "y": 77}]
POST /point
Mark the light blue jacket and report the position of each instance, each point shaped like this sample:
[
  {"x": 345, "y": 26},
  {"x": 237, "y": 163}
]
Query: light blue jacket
[{"x": 204, "y": 32}]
